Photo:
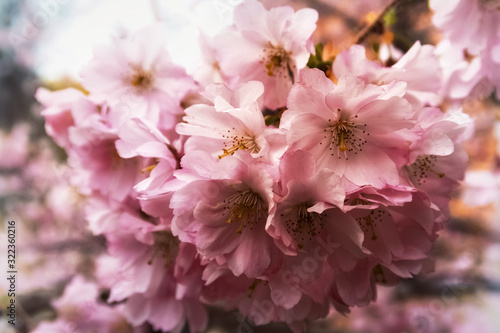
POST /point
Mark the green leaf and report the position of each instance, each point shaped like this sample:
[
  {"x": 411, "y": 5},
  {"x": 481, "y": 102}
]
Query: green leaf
[
  {"x": 316, "y": 61},
  {"x": 391, "y": 17}
]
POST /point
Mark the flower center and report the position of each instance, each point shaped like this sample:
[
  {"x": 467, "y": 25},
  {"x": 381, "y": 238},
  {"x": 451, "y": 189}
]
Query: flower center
[
  {"x": 278, "y": 61},
  {"x": 422, "y": 167},
  {"x": 370, "y": 221},
  {"x": 239, "y": 141},
  {"x": 141, "y": 79},
  {"x": 246, "y": 207},
  {"x": 165, "y": 245},
  {"x": 345, "y": 136},
  {"x": 303, "y": 225},
  {"x": 467, "y": 56}
]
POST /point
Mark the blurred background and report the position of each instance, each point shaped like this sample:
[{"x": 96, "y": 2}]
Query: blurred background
[{"x": 46, "y": 42}]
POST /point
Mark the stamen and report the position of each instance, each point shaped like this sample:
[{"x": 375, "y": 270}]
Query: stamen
[
  {"x": 278, "y": 61},
  {"x": 149, "y": 168},
  {"x": 277, "y": 58},
  {"x": 345, "y": 136},
  {"x": 342, "y": 133},
  {"x": 239, "y": 141},
  {"x": 246, "y": 207},
  {"x": 140, "y": 79},
  {"x": 231, "y": 150},
  {"x": 300, "y": 223},
  {"x": 369, "y": 222},
  {"x": 420, "y": 169}
]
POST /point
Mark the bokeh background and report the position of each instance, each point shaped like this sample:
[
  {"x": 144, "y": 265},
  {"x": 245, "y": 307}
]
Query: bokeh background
[{"x": 45, "y": 43}]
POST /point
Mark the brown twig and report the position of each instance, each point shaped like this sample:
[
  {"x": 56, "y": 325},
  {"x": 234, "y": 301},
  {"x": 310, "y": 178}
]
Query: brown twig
[{"x": 361, "y": 36}]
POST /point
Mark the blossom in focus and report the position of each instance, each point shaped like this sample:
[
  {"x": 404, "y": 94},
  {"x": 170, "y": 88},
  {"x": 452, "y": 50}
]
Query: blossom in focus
[
  {"x": 308, "y": 213},
  {"x": 234, "y": 122},
  {"x": 225, "y": 216},
  {"x": 270, "y": 46},
  {"x": 353, "y": 128}
]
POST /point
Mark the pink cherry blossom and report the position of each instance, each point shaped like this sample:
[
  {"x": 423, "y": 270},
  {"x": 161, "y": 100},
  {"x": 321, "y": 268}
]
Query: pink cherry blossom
[
  {"x": 138, "y": 71},
  {"x": 419, "y": 68},
  {"x": 259, "y": 302},
  {"x": 461, "y": 74},
  {"x": 175, "y": 300},
  {"x": 391, "y": 233},
  {"x": 155, "y": 192},
  {"x": 85, "y": 131},
  {"x": 225, "y": 216},
  {"x": 305, "y": 194},
  {"x": 155, "y": 273},
  {"x": 80, "y": 311},
  {"x": 308, "y": 223},
  {"x": 268, "y": 46},
  {"x": 209, "y": 71},
  {"x": 352, "y": 128},
  {"x": 234, "y": 122},
  {"x": 98, "y": 166},
  {"x": 141, "y": 138},
  {"x": 58, "y": 112},
  {"x": 356, "y": 287},
  {"x": 471, "y": 43},
  {"x": 437, "y": 161},
  {"x": 260, "y": 309},
  {"x": 468, "y": 24}
]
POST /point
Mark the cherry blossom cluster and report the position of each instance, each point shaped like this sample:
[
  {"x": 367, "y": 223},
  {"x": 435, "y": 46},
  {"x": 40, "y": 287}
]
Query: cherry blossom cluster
[
  {"x": 268, "y": 187},
  {"x": 470, "y": 49}
]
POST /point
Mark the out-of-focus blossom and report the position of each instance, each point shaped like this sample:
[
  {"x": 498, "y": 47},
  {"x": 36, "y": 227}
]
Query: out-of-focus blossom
[
  {"x": 138, "y": 70},
  {"x": 58, "y": 112},
  {"x": 471, "y": 46},
  {"x": 79, "y": 310},
  {"x": 481, "y": 187},
  {"x": 14, "y": 147}
]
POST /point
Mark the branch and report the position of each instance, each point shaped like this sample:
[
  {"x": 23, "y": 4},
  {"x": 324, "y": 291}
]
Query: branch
[{"x": 366, "y": 31}]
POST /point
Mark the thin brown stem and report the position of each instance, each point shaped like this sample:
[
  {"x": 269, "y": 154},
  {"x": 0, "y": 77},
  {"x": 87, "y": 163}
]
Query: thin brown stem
[{"x": 361, "y": 36}]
